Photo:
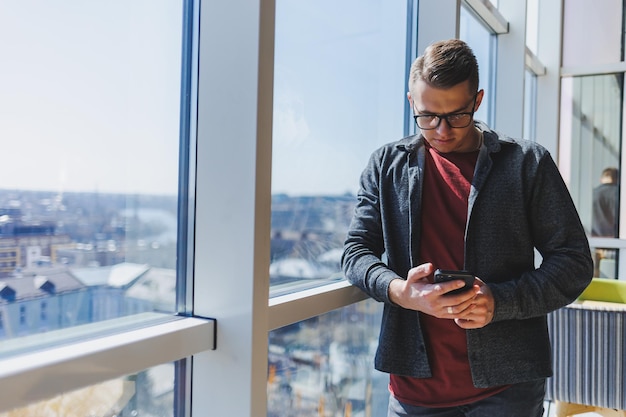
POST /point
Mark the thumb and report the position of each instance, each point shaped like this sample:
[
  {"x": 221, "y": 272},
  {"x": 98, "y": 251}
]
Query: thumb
[{"x": 419, "y": 272}]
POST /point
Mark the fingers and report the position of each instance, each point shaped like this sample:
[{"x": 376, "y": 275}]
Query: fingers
[
  {"x": 468, "y": 324},
  {"x": 471, "y": 324},
  {"x": 458, "y": 311},
  {"x": 478, "y": 315},
  {"x": 419, "y": 272}
]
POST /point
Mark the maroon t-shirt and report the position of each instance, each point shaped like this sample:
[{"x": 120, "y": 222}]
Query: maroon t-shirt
[{"x": 447, "y": 183}]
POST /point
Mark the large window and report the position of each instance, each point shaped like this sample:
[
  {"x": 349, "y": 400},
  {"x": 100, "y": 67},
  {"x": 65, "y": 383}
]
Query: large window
[
  {"x": 90, "y": 209},
  {"x": 591, "y": 145},
  {"x": 324, "y": 365},
  {"x": 591, "y": 132},
  {"x": 89, "y": 116},
  {"x": 339, "y": 93}
]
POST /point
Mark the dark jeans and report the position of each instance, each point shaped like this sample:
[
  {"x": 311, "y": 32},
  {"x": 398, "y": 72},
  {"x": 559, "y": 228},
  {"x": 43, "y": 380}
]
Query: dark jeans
[{"x": 520, "y": 400}]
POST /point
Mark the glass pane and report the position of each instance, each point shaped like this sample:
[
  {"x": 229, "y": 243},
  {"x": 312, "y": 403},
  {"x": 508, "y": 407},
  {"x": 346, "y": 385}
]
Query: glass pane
[
  {"x": 532, "y": 25},
  {"x": 89, "y": 114},
  {"x": 339, "y": 93},
  {"x": 605, "y": 262},
  {"x": 591, "y": 153},
  {"x": 147, "y": 393},
  {"x": 530, "y": 105},
  {"x": 601, "y": 41},
  {"x": 324, "y": 366},
  {"x": 482, "y": 42}
]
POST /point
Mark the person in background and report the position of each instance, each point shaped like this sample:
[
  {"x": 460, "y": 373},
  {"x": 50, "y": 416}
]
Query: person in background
[
  {"x": 604, "y": 211},
  {"x": 461, "y": 196},
  {"x": 604, "y": 221}
]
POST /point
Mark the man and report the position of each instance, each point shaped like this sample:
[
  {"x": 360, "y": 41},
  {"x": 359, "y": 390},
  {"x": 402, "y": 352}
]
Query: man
[{"x": 461, "y": 196}]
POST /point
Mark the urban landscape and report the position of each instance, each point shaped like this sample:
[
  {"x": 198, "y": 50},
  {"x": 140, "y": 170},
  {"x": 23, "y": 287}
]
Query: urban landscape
[{"x": 78, "y": 258}]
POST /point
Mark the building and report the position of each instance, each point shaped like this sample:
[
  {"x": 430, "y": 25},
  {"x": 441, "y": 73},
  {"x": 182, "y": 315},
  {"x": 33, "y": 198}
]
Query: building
[
  {"x": 26, "y": 243},
  {"x": 47, "y": 298}
]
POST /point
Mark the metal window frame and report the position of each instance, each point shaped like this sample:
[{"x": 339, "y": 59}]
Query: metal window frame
[
  {"x": 489, "y": 14},
  {"x": 533, "y": 63}
]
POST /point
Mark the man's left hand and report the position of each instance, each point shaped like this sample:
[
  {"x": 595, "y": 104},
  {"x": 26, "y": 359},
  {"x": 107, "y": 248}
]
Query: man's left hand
[{"x": 482, "y": 310}]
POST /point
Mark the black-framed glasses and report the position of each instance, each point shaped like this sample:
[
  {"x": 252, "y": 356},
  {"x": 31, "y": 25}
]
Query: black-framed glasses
[{"x": 454, "y": 120}]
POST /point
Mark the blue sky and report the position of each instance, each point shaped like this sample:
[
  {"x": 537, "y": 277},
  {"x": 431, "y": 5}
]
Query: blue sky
[
  {"x": 339, "y": 90},
  {"x": 89, "y": 95}
]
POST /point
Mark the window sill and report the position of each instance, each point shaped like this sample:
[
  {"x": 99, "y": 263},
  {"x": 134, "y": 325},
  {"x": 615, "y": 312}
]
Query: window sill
[
  {"x": 41, "y": 374},
  {"x": 292, "y": 308}
]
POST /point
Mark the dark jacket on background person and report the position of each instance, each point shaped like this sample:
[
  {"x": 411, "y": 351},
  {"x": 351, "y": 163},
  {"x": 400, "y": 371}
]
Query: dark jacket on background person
[
  {"x": 518, "y": 202},
  {"x": 604, "y": 210}
]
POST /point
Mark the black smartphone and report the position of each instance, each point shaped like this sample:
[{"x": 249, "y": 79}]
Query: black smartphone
[{"x": 443, "y": 275}]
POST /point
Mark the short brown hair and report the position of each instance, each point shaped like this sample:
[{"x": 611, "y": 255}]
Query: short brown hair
[
  {"x": 610, "y": 173},
  {"x": 445, "y": 64}
]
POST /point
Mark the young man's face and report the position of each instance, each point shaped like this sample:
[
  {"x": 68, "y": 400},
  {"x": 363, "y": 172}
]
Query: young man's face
[{"x": 452, "y": 102}]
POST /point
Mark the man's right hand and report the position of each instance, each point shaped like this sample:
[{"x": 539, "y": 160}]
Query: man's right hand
[{"x": 417, "y": 293}]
